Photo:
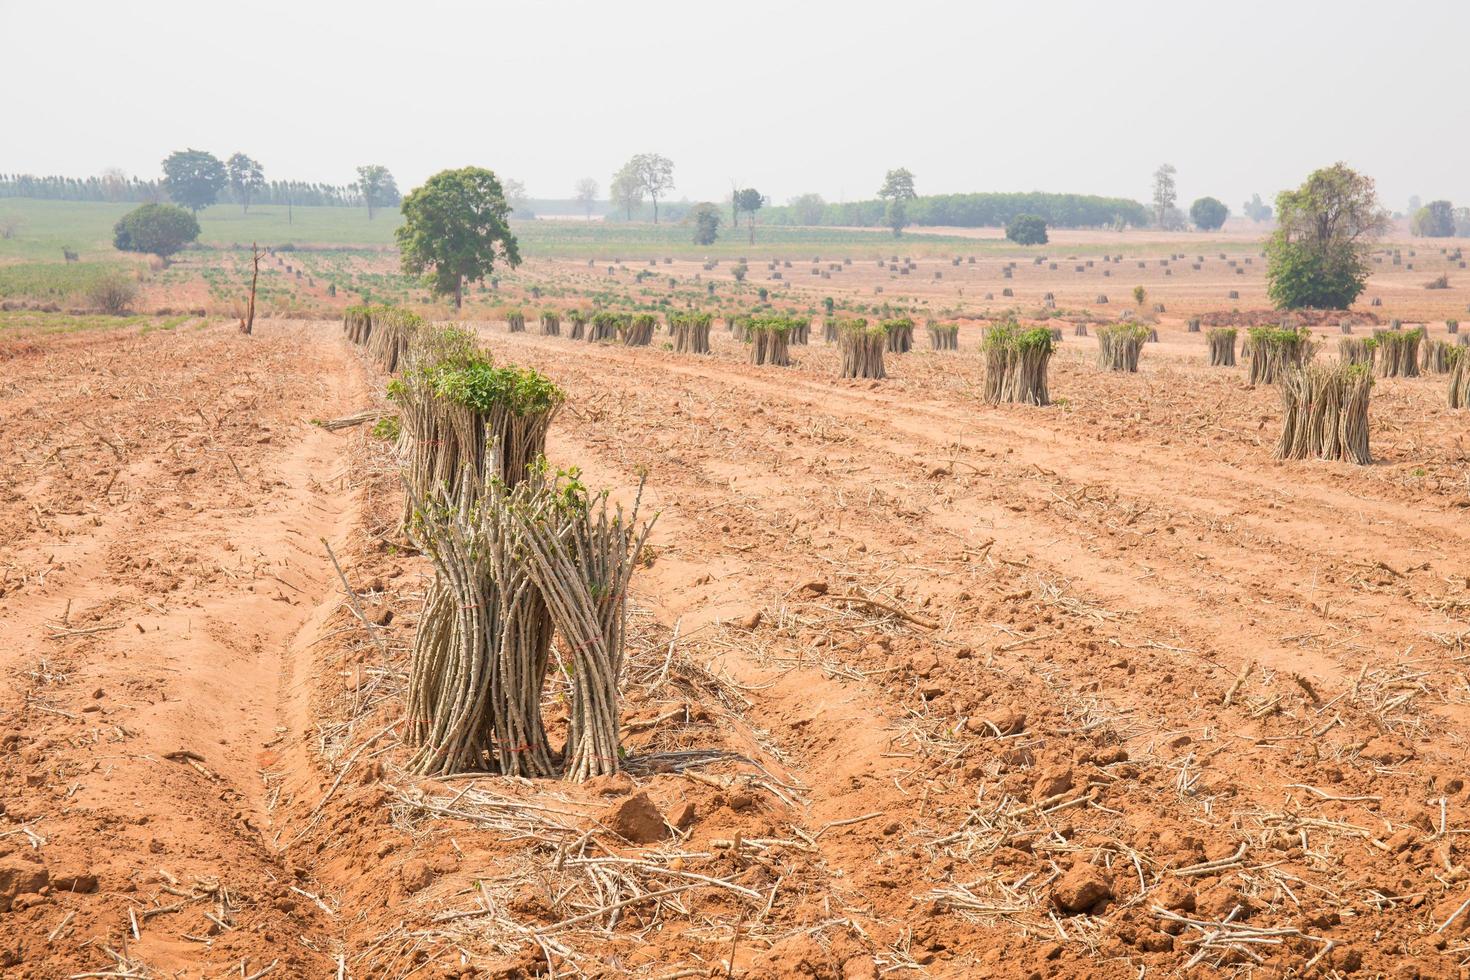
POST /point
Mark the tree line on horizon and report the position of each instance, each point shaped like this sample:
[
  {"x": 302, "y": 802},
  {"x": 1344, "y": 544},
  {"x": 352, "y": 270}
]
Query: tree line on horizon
[{"x": 196, "y": 179}]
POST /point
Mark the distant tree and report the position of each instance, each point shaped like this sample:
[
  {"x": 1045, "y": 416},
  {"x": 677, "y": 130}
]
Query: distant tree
[
  {"x": 706, "y": 218},
  {"x": 897, "y": 191},
  {"x": 626, "y": 190},
  {"x": 808, "y": 208},
  {"x": 1462, "y": 222},
  {"x": 1435, "y": 220},
  {"x": 1208, "y": 214},
  {"x": 377, "y": 187},
  {"x": 1318, "y": 256},
  {"x": 1139, "y": 295},
  {"x": 652, "y": 174},
  {"x": 515, "y": 196},
  {"x": 898, "y": 185},
  {"x": 246, "y": 178},
  {"x": 1027, "y": 229},
  {"x": 1256, "y": 209},
  {"x": 115, "y": 184},
  {"x": 1165, "y": 194},
  {"x": 587, "y": 195},
  {"x": 193, "y": 178},
  {"x": 155, "y": 229},
  {"x": 455, "y": 228},
  {"x": 749, "y": 201},
  {"x": 1414, "y": 204}
]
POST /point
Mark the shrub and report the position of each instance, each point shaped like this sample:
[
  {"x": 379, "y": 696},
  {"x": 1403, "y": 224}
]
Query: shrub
[
  {"x": 113, "y": 292},
  {"x": 1027, "y": 229},
  {"x": 1208, "y": 214},
  {"x": 158, "y": 229}
]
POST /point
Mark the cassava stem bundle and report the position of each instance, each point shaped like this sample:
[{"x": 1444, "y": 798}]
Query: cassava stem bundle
[
  {"x": 1398, "y": 352},
  {"x": 1015, "y": 363},
  {"x": 1276, "y": 350},
  {"x": 862, "y": 349},
  {"x": 944, "y": 336},
  {"x": 900, "y": 332},
  {"x": 691, "y": 332},
  {"x": 1119, "y": 345},
  {"x": 1325, "y": 413},
  {"x": 1222, "y": 346}
]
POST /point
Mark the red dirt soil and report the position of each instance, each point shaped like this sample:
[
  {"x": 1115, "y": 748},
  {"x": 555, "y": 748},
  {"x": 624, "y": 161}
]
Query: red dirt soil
[{"x": 1017, "y": 692}]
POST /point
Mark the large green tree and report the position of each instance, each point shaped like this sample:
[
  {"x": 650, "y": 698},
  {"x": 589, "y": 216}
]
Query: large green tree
[
  {"x": 194, "y": 178},
  {"x": 155, "y": 229},
  {"x": 455, "y": 228},
  {"x": 377, "y": 187},
  {"x": 897, "y": 191},
  {"x": 1318, "y": 256},
  {"x": 1208, "y": 214}
]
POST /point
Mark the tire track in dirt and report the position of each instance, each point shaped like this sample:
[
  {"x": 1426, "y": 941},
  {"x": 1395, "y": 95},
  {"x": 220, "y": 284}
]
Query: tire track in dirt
[{"x": 141, "y": 736}]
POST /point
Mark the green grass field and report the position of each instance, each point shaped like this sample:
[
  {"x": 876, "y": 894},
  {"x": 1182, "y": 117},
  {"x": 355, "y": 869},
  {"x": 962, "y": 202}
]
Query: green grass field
[{"x": 47, "y": 227}]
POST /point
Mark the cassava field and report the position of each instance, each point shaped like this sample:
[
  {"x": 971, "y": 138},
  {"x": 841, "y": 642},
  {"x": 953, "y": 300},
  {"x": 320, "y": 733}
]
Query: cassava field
[{"x": 913, "y": 684}]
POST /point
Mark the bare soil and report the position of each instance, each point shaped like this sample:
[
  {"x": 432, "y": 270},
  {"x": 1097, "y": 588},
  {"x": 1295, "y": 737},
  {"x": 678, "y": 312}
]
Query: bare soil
[{"x": 918, "y": 687}]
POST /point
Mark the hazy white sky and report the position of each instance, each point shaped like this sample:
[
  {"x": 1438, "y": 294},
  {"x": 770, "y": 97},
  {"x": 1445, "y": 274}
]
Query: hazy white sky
[{"x": 1063, "y": 95}]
